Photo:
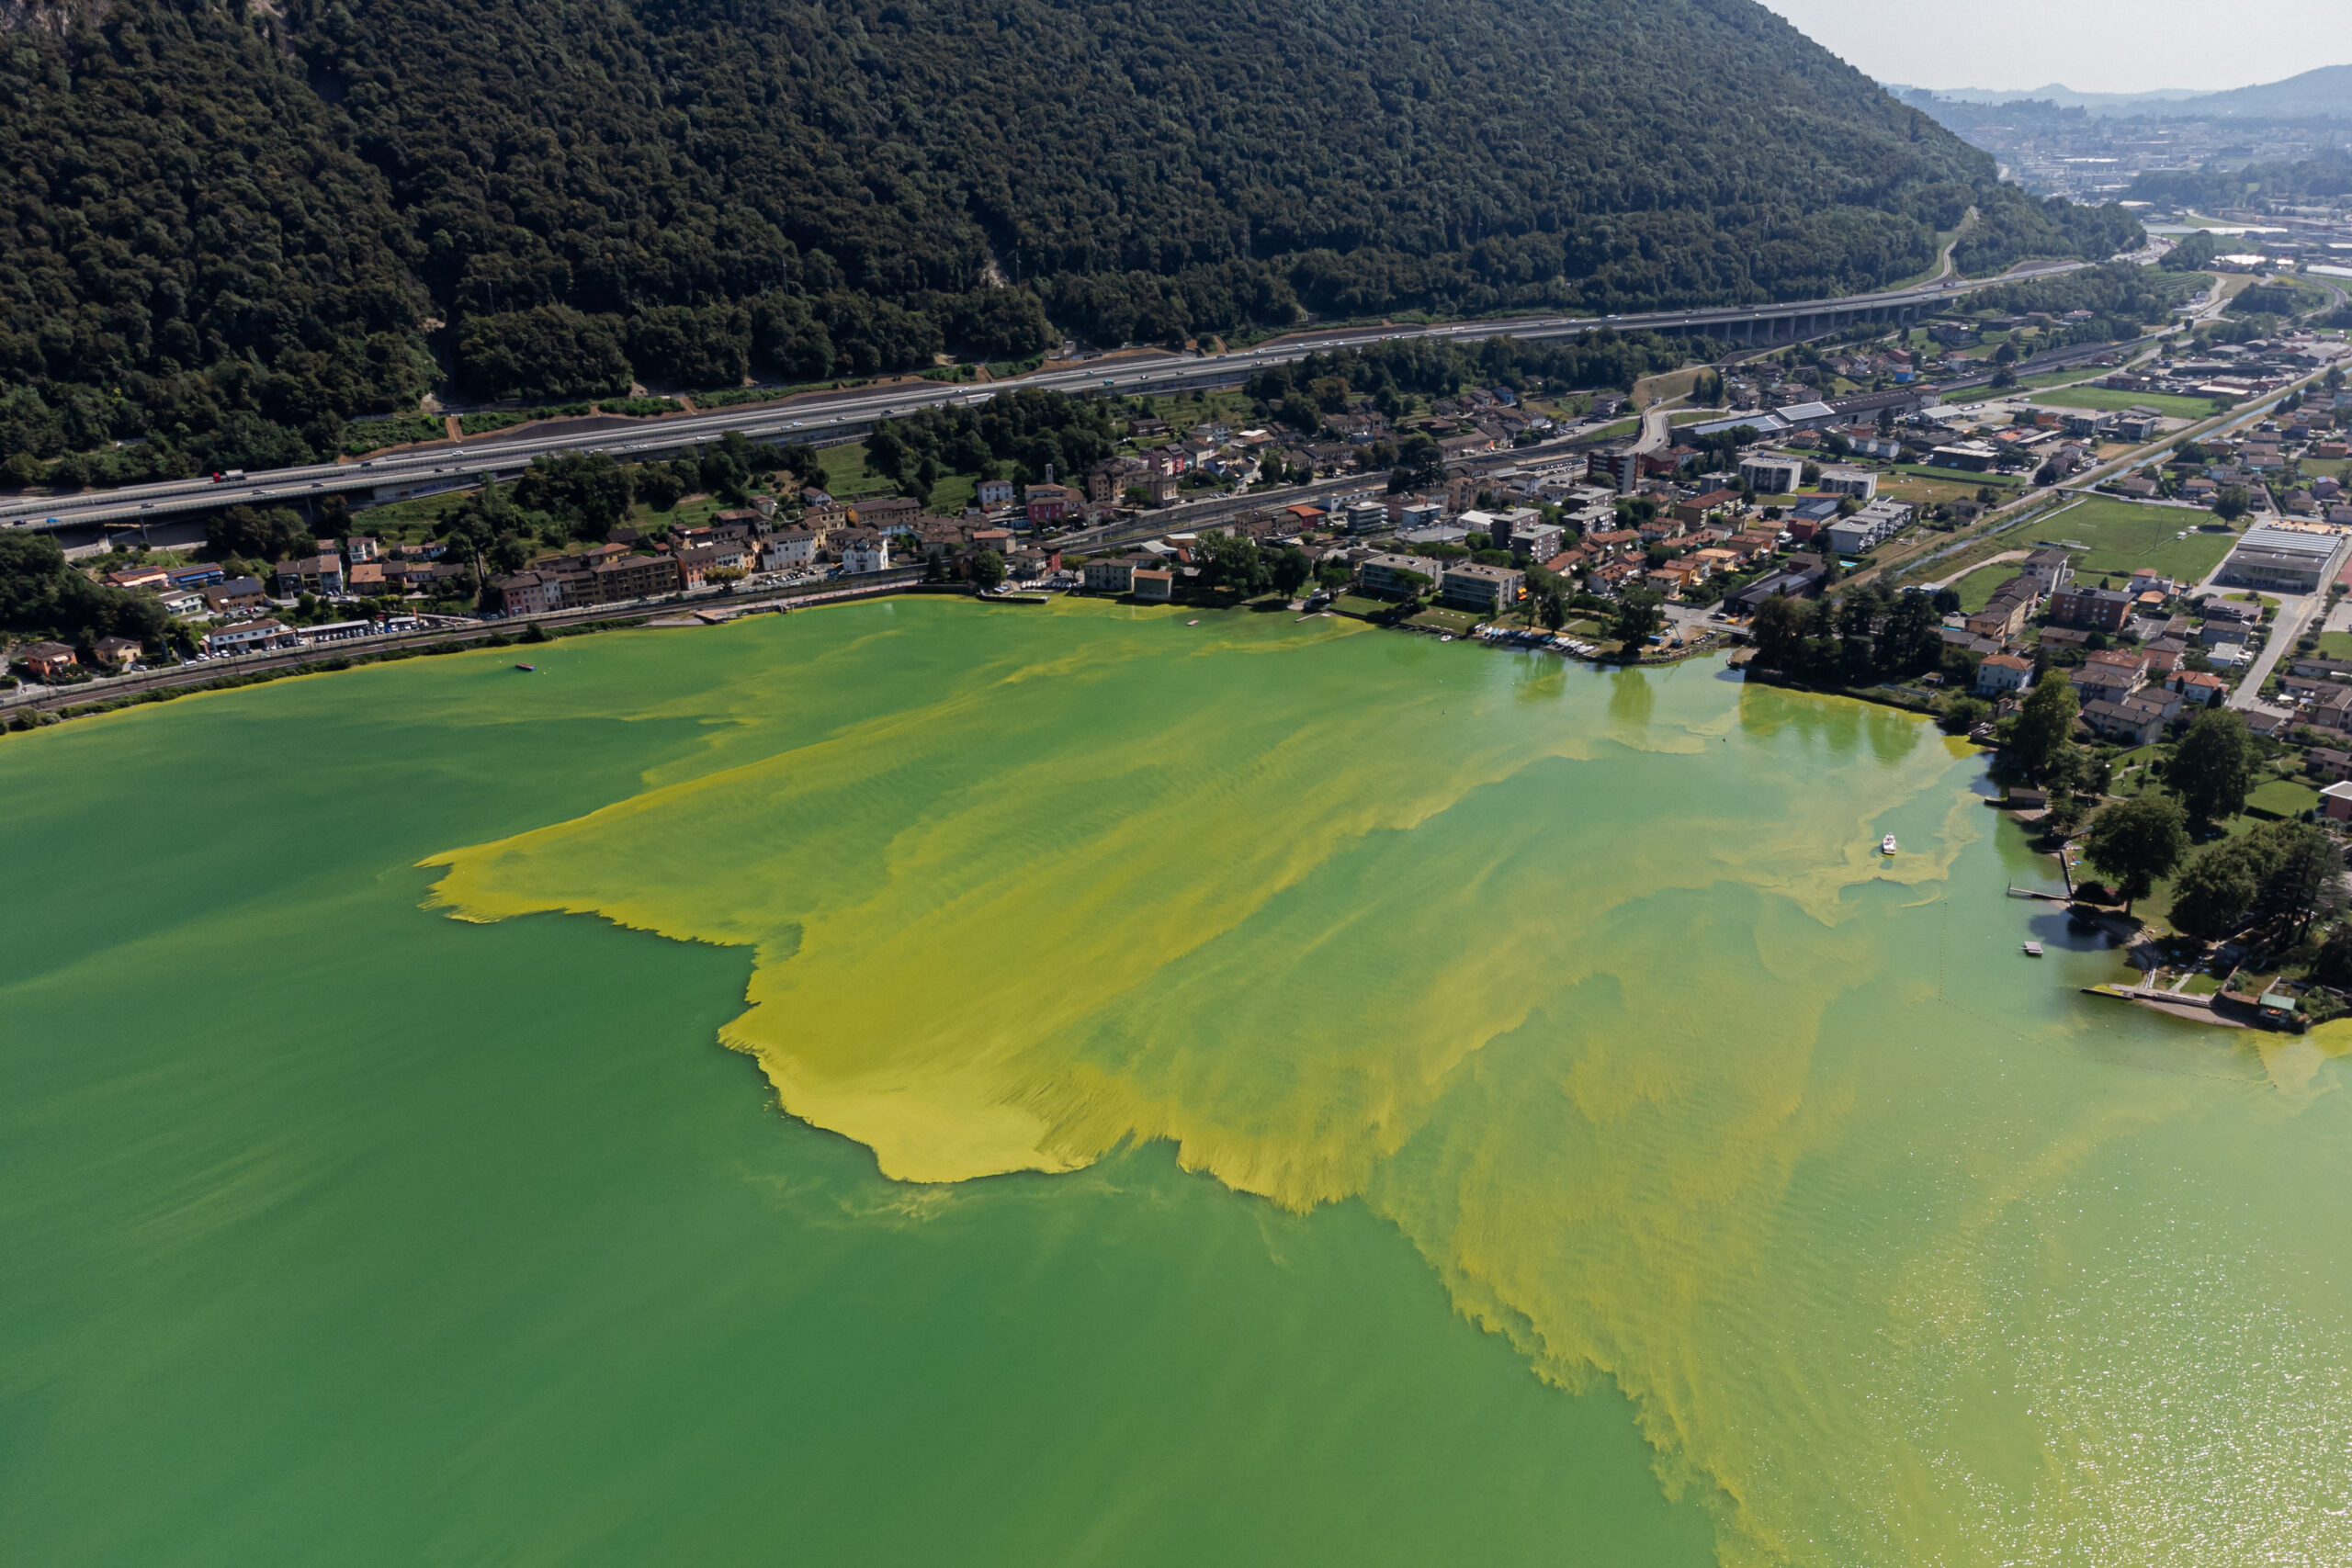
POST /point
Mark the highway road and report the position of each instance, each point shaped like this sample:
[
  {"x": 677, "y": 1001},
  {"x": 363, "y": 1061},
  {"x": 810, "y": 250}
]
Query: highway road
[{"x": 823, "y": 417}]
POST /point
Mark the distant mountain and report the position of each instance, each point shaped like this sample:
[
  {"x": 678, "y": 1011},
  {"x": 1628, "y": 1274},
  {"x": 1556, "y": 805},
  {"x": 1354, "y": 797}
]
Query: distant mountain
[
  {"x": 2322, "y": 94},
  {"x": 228, "y": 228},
  {"x": 2325, "y": 92}
]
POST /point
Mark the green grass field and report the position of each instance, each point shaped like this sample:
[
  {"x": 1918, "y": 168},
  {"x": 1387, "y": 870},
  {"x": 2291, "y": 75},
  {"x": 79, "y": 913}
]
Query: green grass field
[
  {"x": 1454, "y": 621},
  {"x": 2117, "y": 537},
  {"x": 1921, "y": 491},
  {"x": 1961, "y": 476},
  {"x": 1976, "y": 588},
  {"x": 2107, "y": 400},
  {"x": 2282, "y": 797},
  {"x": 2334, "y": 644}
]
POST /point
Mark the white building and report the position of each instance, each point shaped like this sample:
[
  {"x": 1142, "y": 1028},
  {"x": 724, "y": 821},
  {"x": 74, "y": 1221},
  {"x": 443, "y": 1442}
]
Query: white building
[
  {"x": 1860, "y": 483},
  {"x": 866, "y": 551},
  {"x": 790, "y": 549},
  {"x": 1872, "y": 525},
  {"x": 1772, "y": 473},
  {"x": 996, "y": 492},
  {"x": 1489, "y": 589},
  {"x": 249, "y": 637},
  {"x": 2002, "y": 673}
]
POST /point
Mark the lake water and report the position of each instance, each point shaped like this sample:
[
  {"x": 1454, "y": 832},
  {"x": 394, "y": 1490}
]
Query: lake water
[{"x": 1258, "y": 1091}]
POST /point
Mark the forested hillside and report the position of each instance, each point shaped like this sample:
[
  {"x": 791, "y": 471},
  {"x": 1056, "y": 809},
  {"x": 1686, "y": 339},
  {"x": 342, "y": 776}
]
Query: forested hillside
[{"x": 229, "y": 229}]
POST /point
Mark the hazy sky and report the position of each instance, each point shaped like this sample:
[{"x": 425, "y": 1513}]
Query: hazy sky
[{"x": 2092, "y": 46}]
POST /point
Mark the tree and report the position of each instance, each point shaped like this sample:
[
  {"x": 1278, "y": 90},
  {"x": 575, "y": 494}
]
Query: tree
[
  {"x": 1547, "y": 594},
  {"x": 2306, "y": 871},
  {"x": 988, "y": 569},
  {"x": 1963, "y": 715},
  {"x": 2212, "y": 766},
  {"x": 587, "y": 488},
  {"x": 886, "y": 454},
  {"x": 2213, "y": 894},
  {"x": 2044, "y": 729},
  {"x": 2233, "y": 503},
  {"x": 266, "y": 534},
  {"x": 1779, "y": 633},
  {"x": 656, "y": 485},
  {"x": 2333, "y": 964},
  {"x": 1639, "y": 614},
  {"x": 2136, "y": 841},
  {"x": 1228, "y": 560},
  {"x": 1290, "y": 569}
]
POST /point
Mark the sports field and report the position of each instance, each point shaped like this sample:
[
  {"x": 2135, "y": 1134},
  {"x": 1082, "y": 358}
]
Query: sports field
[
  {"x": 2107, "y": 400},
  {"x": 2112, "y": 538}
]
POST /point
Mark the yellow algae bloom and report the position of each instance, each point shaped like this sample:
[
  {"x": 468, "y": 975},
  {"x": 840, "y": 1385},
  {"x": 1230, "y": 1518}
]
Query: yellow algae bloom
[{"x": 1595, "y": 984}]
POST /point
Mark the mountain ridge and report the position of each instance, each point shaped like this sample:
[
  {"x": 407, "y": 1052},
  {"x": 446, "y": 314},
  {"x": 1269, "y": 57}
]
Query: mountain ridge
[{"x": 228, "y": 230}]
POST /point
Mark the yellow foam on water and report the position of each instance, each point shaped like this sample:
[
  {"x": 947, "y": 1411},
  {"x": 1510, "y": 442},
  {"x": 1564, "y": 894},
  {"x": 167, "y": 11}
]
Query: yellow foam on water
[{"x": 1540, "y": 968}]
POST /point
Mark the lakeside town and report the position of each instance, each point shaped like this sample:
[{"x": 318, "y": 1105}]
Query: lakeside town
[{"x": 1988, "y": 517}]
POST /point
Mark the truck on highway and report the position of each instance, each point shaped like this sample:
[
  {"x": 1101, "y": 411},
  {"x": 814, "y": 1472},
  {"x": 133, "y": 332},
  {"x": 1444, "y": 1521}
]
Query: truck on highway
[{"x": 227, "y": 476}]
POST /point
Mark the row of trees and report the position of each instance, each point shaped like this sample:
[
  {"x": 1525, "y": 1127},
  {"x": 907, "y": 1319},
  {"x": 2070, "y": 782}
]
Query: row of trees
[{"x": 1867, "y": 635}]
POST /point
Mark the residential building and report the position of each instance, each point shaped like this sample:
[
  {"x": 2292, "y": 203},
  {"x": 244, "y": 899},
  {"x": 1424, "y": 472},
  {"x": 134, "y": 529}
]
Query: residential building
[
  {"x": 2003, "y": 672},
  {"x": 312, "y": 574},
  {"x": 233, "y": 596},
  {"x": 1396, "y": 576},
  {"x": 888, "y": 515},
  {"x": 866, "y": 550},
  {"x": 2335, "y": 801},
  {"x": 2004, "y": 615},
  {"x": 1489, "y": 590},
  {"x": 528, "y": 593},
  {"x": 2109, "y": 682},
  {"x": 1860, "y": 483},
  {"x": 2100, "y": 609},
  {"x": 790, "y": 550},
  {"x": 1154, "y": 584},
  {"x": 46, "y": 661},
  {"x": 116, "y": 652},
  {"x": 1115, "y": 574},
  {"x": 249, "y": 637},
  {"x": 1046, "y": 504},
  {"x": 599, "y": 578},
  {"x": 2133, "y": 720},
  {"x": 140, "y": 577},
  {"x": 2050, "y": 568},
  {"x": 1772, "y": 473},
  {"x": 1535, "y": 541},
  {"x": 1700, "y": 508}
]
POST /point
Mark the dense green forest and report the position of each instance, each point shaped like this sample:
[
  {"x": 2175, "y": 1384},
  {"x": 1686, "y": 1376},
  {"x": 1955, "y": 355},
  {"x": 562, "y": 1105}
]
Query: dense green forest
[{"x": 231, "y": 228}]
